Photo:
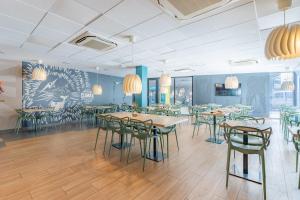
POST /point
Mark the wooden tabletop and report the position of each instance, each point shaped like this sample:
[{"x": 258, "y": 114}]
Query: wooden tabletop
[
  {"x": 219, "y": 112},
  {"x": 158, "y": 120},
  {"x": 248, "y": 123}
]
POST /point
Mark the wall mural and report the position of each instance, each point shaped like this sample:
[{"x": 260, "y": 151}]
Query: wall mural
[{"x": 65, "y": 90}]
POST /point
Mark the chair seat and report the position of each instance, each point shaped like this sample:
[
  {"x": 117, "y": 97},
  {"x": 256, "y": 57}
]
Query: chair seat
[
  {"x": 243, "y": 148},
  {"x": 251, "y": 139}
]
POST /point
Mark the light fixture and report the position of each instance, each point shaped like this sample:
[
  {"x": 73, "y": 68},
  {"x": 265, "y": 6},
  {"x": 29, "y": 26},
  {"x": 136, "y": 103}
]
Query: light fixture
[
  {"x": 163, "y": 90},
  {"x": 284, "y": 41},
  {"x": 231, "y": 82},
  {"x": 97, "y": 89},
  {"x": 165, "y": 80},
  {"x": 288, "y": 86},
  {"x": 39, "y": 73},
  {"x": 132, "y": 84}
]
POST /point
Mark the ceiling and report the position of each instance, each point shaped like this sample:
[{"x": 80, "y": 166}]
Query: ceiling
[{"x": 35, "y": 29}]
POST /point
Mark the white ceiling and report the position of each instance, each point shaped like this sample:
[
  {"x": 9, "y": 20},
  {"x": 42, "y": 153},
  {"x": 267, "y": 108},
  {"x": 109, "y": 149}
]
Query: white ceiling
[{"x": 42, "y": 29}]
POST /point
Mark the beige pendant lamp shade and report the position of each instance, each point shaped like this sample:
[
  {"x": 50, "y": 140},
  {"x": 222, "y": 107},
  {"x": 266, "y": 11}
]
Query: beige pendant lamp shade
[
  {"x": 288, "y": 86},
  {"x": 132, "y": 84},
  {"x": 165, "y": 80},
  {"x": 163, "y": 90},
  {"x": 39, "y": 74},
  {"x": 283, "y": 43},
  {"x": 231, "y": 82},
  {"x": 97, "y": 89}
]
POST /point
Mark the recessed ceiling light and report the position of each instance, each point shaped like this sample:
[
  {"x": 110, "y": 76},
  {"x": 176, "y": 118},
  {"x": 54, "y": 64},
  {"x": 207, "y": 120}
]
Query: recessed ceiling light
[{"x": 40, "y": 61}]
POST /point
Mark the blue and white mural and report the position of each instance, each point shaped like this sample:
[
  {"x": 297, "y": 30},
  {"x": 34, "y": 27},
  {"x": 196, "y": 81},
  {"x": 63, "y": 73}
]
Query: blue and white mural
[{"x": 66, "y": 90}]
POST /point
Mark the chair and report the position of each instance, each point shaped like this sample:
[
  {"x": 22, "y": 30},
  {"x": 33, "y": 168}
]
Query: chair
[
  {"x": 257, "y": 144},
  {"x": 167, "y": 131},
  {"x": 201, "y": 120},
  {"x": 296, "y": 141},
  {"x": 143, "y": 131},
  {"x": 122, "y": 127},
  {"x": 103, "y": 124}
]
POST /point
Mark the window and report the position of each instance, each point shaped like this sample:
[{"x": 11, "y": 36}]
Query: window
[{"x": 278, "y": 96}]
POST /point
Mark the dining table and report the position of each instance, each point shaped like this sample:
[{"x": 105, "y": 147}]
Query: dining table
[
  {"x": 245, "y": 125},
  {"x": 219, "y": 112},
  {"x": 158, "y": 121}
]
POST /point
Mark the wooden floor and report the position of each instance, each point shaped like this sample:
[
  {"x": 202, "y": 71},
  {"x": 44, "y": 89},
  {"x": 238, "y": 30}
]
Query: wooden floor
[{"x": 64, "y": 166}]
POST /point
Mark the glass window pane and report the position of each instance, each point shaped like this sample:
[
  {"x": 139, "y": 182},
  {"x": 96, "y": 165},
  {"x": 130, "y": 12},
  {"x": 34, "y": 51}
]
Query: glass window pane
[
  {"x": 152, "y": 91},
  {"x": 279, "y": 96},
  {"x": 183, "y": 91}
]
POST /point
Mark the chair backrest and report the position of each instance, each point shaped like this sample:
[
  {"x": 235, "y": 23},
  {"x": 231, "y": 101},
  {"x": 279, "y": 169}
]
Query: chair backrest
[
  {"x": 242, "y": 131},
  {"x": 143, "y": 128},
  {"x": 260, "y": 120}
]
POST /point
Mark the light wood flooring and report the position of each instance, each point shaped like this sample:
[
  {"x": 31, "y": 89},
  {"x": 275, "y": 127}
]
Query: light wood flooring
[{"x": 64, "y": 166}]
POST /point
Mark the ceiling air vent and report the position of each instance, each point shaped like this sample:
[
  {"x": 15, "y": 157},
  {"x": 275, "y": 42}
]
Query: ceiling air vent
[
  {"x": 92, "y": 41},
  {"x": 187, "y": 9},
  {"x": 243, "y": 62}
]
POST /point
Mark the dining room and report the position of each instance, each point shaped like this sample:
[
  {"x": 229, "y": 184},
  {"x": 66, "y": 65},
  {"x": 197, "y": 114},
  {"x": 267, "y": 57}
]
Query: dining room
[{"x": 149, "y": 99}]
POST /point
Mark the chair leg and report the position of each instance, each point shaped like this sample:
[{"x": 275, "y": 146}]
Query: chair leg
[
  {"x": 162, "y": 149},
  {"x": 297, "y": 161},
  {"x": 96, "y": 139},
  {"x": 168, "y": 145},
  {"x": 18, "y": 124},
  {"x": 198, "y": 130},
  {"x": 111, "y": 142},
  {"x": 122, "y": 148},
  {"x": 141, "y": 147},
  {"x": 264, "y": 174},
  {"x": 299, "y": 182},
  {"x": 194, "y": 131},
  {"x": 128, "y": 154},
  {"x": 145, "y": 149},
  {"x": 176, "y": 140},
  {"x": 149, "y": 149},
  {"x": 105, "y": 141},
  {"x": 228, "y": 165}
]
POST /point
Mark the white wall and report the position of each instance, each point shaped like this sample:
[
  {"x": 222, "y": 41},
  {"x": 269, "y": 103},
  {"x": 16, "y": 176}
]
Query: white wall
[{"x": 11, "y": 74}]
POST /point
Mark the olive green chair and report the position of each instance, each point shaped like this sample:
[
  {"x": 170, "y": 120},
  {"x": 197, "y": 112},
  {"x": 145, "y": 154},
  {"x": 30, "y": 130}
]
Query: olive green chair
[
  {"x": 296, "y": 141},
  {"x": 166, "y": 131},
  {"x": 202, "y": 120},
  {"x": 143, "y": 131},
  {"x": 103, "y": 125},
  {"x": 257, "y": 144},
  {"x": 121, "y": 127}
]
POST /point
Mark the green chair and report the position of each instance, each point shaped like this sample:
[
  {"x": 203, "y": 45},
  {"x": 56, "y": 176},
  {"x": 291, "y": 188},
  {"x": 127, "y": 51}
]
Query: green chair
[
  {"x": 296, "y": 141},
  {"x": 123, "y": 128},
  {"x": 201, "y": 120},
  {"x": 143, "y": 131},
  {"x": 257, "y": 143},
  {"x": 103, "y": 124},
  {"x": 167, "y": 131}
]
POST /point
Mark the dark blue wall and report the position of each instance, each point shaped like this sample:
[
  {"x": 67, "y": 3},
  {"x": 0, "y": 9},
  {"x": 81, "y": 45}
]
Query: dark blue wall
[
  {"x": 256, "y": 91},
  {"x": 67, "y": 88}
]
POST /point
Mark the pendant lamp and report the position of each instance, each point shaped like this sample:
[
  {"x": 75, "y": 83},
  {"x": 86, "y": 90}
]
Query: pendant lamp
[
  {"x": 97, "y": 89},
  {"x": 231, "y": 82},
  {"x": 284, "y": 41},
  {"x": 165, "y": 80},
  {"x": 39, "y": 73},
  {"x": 132, "y": 84}
]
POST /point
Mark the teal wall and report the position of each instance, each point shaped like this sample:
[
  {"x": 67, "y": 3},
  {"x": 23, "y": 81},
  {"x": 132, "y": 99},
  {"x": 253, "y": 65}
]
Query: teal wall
[{"x": 141, "y": 99}]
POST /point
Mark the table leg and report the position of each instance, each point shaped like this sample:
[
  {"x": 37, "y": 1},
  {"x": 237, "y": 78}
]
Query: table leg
[
  {"x": 245, "y": 156},
  {"x": 214, "y": 138},
  {"x": 155, "y": 155},
  {"x": 121, "y": 144}
]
